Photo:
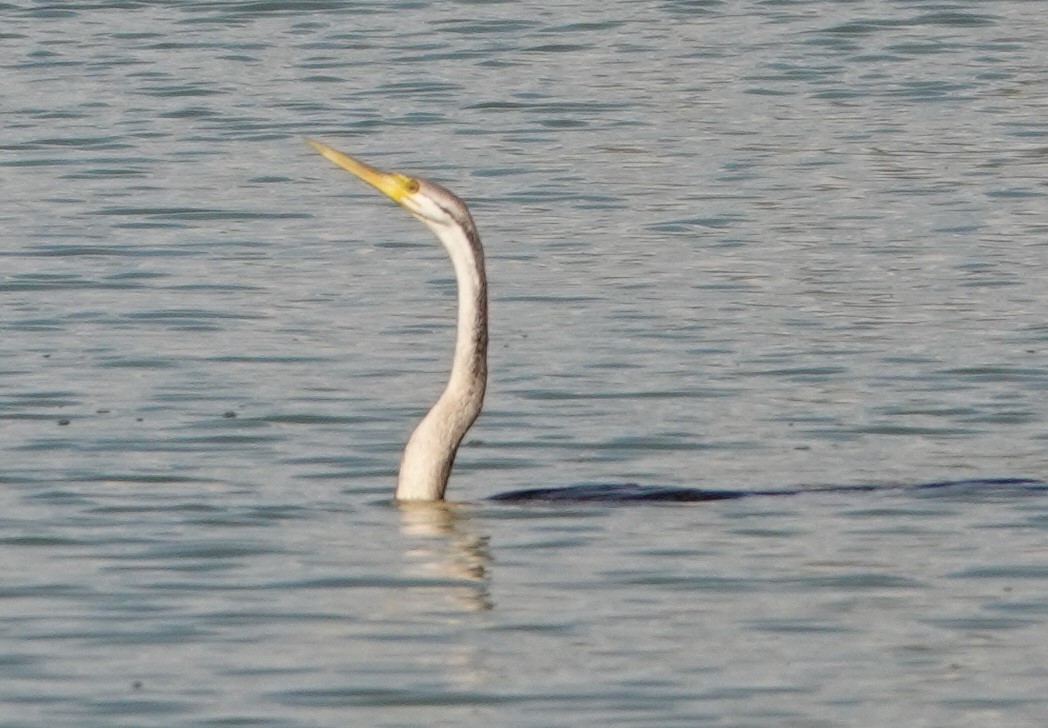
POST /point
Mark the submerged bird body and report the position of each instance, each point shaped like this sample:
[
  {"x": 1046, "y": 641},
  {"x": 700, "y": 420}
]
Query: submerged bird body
[{"x": 430, "y": 452}]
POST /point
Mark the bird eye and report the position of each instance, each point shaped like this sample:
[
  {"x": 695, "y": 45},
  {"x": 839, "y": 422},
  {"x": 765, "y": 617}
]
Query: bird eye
[{"x": 411, "y": 185}]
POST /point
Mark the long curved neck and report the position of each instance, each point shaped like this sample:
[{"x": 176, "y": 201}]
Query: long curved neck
[{"x": 430, "y": 452}]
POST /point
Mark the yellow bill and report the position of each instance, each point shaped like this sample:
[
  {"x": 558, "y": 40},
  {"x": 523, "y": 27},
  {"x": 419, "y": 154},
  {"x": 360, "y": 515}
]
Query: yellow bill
[{"x": 396, "y": 186}]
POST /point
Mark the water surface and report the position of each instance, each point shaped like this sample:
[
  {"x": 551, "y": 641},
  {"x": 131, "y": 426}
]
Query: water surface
[{"x": 773, "y": 247}]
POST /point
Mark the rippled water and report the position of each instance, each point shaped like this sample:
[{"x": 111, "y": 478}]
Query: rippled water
[{"x": 763, "y": 246}]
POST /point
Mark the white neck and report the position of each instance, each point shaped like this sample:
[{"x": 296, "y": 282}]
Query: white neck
[{"x": 430, "y": 452}]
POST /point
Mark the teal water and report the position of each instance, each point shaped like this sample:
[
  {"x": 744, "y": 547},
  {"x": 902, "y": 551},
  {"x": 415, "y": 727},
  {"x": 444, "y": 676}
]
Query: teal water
[{"x": 751, "y": 247}]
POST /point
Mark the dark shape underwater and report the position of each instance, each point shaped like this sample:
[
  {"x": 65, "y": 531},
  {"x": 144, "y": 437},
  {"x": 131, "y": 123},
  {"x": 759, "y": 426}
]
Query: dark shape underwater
[{"x": 633, "y": 493}]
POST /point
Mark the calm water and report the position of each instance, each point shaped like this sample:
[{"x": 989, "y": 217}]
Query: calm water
[{"x": 756, "y": 246}]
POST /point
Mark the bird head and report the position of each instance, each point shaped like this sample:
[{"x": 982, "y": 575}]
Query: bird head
[{"x": 434, "y": 205}]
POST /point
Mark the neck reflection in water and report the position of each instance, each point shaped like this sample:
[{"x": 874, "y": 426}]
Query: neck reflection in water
[{"x": 442, "y": 550}]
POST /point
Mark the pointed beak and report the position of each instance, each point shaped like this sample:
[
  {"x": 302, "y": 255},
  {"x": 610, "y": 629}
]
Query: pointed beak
[{"x": 395, "y": 186}]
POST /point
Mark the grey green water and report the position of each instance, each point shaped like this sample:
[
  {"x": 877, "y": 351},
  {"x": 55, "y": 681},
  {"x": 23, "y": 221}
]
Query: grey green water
[{"x": 762, "y": 245}]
